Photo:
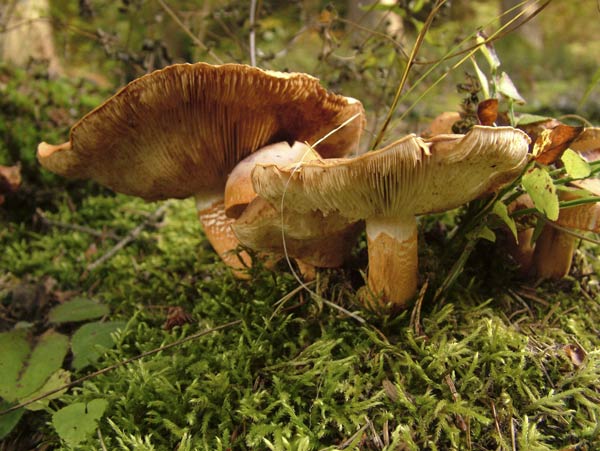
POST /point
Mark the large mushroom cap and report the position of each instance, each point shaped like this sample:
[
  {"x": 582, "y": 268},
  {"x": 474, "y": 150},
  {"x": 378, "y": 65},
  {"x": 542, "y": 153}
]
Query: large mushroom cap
[
  {"x": 179, "y": 131},
  {"x": 410, "y": 176}
]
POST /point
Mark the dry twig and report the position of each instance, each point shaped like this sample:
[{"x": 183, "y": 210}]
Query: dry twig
[
  {"x": 153, "y": 218},
  {"x": 78, "y": 228}
]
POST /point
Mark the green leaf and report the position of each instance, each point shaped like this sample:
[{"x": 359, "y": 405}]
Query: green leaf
[
  {"x": 9, "y": 420},
  {"x": 88, "y": 341},
  {"x": 489, "y": 53},
  {"x": 77, "y": 310},
  {"x": 507, "y": 88},
  {"x": 487, "y": 234},
  {"x": 56, "y": 380},
  {"x": 538, "y": 184},
  {"x": 45, "y": 359},
  {"x": 483, "y": 81},
  {"x": 526, "y": 119},
  {"x": 482, "y": 232},
  {"x": 15, "y": 349},
  {"x": 75, "y": 423},
  {"x": 501, "y": 210},
  {"x": 575, "y": 165}
]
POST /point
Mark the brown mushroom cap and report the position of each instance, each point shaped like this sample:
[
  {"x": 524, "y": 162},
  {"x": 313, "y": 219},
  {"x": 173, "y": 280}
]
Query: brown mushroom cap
[
  {"x": 588, "y": 142},
  {"x": 179, "y": 131},
  {"x": 411, "y": 176},
  {"x": 239, "y": 191},
  {"x": 389, "y": 187},
  {"x": 322, "y": 241}
]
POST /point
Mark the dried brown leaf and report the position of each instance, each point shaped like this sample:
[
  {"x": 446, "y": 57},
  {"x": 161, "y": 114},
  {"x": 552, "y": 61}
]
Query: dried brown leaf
[
  {"x": 487, "y": 111},
  {"x": 551, "y": 143}
]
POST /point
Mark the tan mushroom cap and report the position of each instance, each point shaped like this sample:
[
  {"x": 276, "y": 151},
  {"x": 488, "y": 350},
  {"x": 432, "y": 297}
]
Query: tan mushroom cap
[
  {"x": 588, "y": 142},
  {"x": 389, "y": 187},
  {"x": 411, "y": 176},
  {"x": 315, "y": 239},
  {"x": 552, "y": 253},
  {"x": 179, "y": 131},
  {"x": 239, "y": 191}
]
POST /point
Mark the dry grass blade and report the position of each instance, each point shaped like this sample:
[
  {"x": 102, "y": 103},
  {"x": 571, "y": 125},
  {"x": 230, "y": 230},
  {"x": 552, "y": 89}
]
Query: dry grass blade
[{"x": 409, "y": 64}]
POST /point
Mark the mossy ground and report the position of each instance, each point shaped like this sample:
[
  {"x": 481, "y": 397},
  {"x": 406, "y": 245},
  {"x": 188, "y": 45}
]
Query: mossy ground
[
  {"x": 496, "y": 363},
  {"x": 491, "y": 366}
]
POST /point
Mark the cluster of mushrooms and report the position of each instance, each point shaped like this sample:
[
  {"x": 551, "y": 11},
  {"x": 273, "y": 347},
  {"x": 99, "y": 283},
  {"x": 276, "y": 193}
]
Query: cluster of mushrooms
[{"x": 248, "y": 145}]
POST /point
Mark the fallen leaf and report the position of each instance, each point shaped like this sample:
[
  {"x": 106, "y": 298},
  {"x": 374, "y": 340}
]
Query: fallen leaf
[
  {"x": 177, "y": 316},
  {"x": 91, "y": 251},
  {"x": 551, "y": 143},
  {"x": 487, "y": 111}
]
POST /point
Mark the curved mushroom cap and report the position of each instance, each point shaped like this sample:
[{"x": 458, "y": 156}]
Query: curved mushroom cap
[
  {"x": 585, "y": 216},
  {"x": 588, "y": 143},
  {"x": 322, "y": 241},
  {"x": 179, "y": 131},
  {"x": 410, "y": 176},
  {"x": 239, "y": 191}
]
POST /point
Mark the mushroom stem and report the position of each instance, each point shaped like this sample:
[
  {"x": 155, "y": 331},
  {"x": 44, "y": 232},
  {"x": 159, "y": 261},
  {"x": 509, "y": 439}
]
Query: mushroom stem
[
  {"x": 522, "y": 251},
  {"x": 217, "y": 228},
  {"x": 553, "y": 253},
  {"x": 393, "y": 259}
]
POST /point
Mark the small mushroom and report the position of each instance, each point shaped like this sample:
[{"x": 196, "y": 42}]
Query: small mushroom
[
  {"x": 10, "y": 179},
  {"x": 180, "y": 131},
  {"x": 552, "y": 254},
  {"x": 313, "y": 239},
  {"x": 388, "y": 188},
  {"x": 239, "y": 191}
]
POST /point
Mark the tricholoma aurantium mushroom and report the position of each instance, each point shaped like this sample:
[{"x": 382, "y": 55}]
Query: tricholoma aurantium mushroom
[
  {"x": 180, "y": 131},
  {"x": 389, "y": 187}
]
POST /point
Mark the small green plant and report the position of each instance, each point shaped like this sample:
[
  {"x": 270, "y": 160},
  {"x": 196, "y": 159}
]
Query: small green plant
[{"x": 32, "y": 365}]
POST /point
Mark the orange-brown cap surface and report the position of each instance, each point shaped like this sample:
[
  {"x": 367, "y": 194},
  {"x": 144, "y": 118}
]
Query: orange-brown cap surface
[{"x": 179, "y": 131}]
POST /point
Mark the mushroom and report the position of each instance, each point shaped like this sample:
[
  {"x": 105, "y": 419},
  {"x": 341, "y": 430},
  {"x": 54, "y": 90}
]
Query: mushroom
[
  {"x": 239, "y": 191},
  {"x": 552, "y": 254},
  {"x": 10, "y": 179},
  {"x": 391, "y": 186},
  {"x": 180, "y": 131},
  {"x": 313, "y": 239}
]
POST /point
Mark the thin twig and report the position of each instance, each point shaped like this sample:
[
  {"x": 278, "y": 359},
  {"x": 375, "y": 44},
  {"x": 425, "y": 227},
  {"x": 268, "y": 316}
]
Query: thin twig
[
  {"x": 129, "y": 238},
  {"x": 252, "y": 33},
  {"x": 413, "y": 54},
  {"x": 572, "y": 232},
  {"x": 187, "y": 31},
  {"x": 101, "y": 440},
  {"x": 356, "y": 434},
  {"x": 79, "y": 228},
  {"x": 122, "y": 363}
]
